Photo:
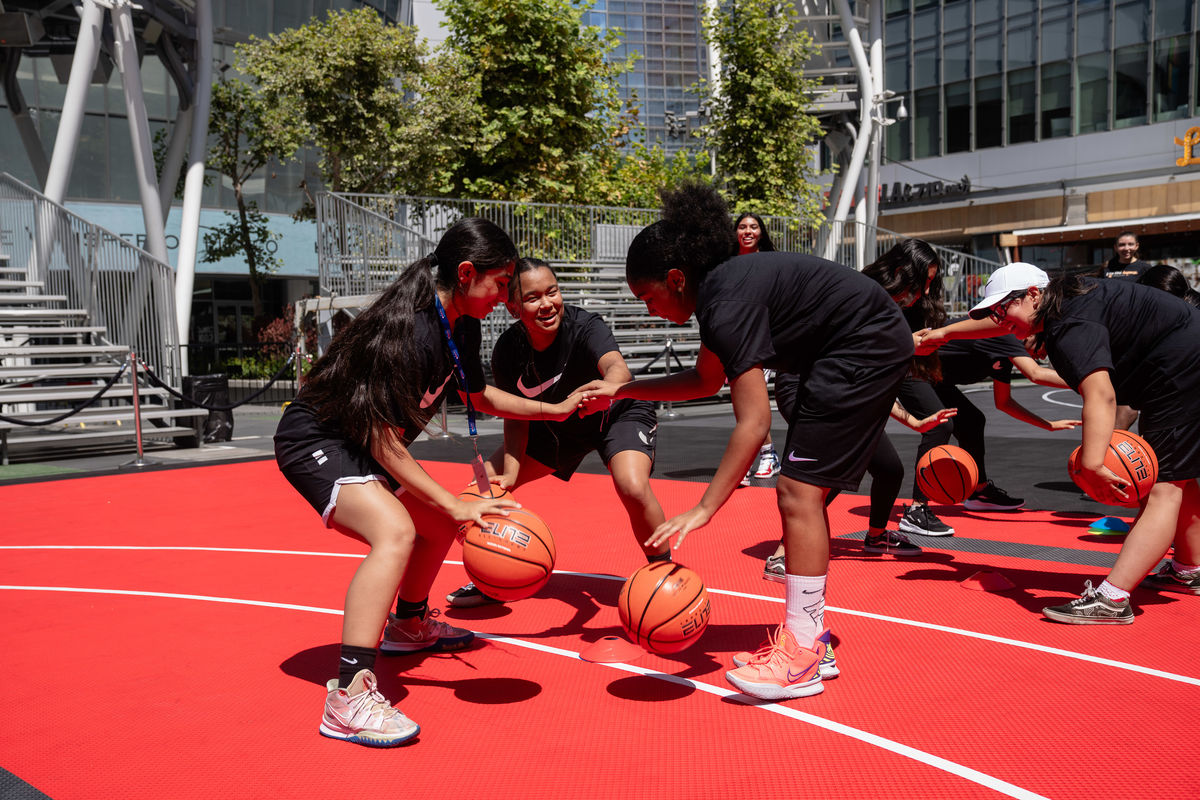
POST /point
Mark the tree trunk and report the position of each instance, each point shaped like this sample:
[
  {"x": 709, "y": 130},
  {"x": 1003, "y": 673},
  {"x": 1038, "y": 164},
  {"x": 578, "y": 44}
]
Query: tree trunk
[{"x": 248, "y": 248}]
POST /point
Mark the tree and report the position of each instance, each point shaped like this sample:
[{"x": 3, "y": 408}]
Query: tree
[
  {"x": 549, "y": 109},
  {"x": 758, "y": 115},
  {"x": 246, "y": 133},
  {"x": 383, "y": 119}
]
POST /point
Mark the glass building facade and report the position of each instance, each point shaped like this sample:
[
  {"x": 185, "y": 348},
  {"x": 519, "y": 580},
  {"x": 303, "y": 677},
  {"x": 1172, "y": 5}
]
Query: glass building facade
[
  {"x": 995, "y": 73},
  {"x": 673, "y": 55}
]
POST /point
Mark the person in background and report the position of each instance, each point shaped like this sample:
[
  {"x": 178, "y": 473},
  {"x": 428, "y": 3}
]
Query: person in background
[
  {"x": 753, "y": 237},
  {"x": 1125, "y": 262}
]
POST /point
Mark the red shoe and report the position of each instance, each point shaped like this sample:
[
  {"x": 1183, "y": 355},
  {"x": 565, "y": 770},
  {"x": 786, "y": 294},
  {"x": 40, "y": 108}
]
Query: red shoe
[{"x": 829, "y": 668}]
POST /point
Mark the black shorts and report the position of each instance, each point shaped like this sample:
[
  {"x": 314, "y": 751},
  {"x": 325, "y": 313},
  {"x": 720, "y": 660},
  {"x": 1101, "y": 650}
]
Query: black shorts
[
  {"x": 630, "y": 425},
  {"x": 836, "y": 412},
  {"x": 1177, "y": 450},
  {"x": 317, "y": 463}
]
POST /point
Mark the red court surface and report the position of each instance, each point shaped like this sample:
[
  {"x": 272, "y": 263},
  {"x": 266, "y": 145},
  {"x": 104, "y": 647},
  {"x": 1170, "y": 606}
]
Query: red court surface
[{"x": 169, "y": 634}]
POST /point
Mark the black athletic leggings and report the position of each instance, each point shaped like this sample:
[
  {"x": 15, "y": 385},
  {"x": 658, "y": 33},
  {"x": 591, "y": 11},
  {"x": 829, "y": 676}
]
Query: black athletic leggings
[
  {"x": 885, "y": 467},
  {"x": 968, "y": 426},
  {"x": 919, "y": 399}
]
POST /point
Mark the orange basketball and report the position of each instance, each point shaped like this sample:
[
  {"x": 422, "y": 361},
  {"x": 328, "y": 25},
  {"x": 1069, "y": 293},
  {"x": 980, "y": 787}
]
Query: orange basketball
[
  {"x": 509, "y": 558},
  {"x": 473, "y": 492},
  {"x": 947, "y": 474},
  {"x": 664, "y": 607},
  {"x": 1132, "y": 460}
]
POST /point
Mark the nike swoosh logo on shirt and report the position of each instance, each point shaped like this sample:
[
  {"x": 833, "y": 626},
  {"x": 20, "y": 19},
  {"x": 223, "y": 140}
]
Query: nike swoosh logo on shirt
[
  {"x": 534, "y": 391},
  {"x": 793, "y": 457},
  {"x": 432, "y": 394}
]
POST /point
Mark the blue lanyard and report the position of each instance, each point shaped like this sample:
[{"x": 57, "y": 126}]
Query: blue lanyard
[{"x": 458, "y": 368}]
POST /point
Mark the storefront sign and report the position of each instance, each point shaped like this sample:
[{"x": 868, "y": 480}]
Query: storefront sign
[
  {"x": 902, "y": 193},
  {"x": 1190, "y": 144}
]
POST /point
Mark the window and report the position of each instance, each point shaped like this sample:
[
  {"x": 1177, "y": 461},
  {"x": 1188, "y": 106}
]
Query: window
[
  {"x": 1091, "y": 87},
  {"x": 1056, "y": 100},
  {"x": 899, "y": 140},
  {"x": 1020, "y": 40},
  {"x": 1056, "y": 39},
  {"x": 1022, "y": 104},
  {"x": 1131, "y": 23},
  {"x": 1092, "y": 30},
  {"x": 987, "y": 53},
  {"x": 1129, "y": 86},
  {"x": 958, "y": 116},
  {"x": 926, "y": 124},
  {"x": 1171, "y": 17},
  {"x": 989, "y": 112},
  {"x": 896, "y": 74},
  {"x": 1171, "y": 68}
]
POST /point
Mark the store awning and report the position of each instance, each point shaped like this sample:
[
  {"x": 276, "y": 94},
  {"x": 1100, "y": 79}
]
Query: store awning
[{"x": 1060, "y": 234}]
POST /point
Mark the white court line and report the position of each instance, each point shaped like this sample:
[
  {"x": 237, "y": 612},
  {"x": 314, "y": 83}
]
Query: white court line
[
  {"x": 1090, "y": 659},
  {"x": 920, "y": 756},
  {"x": 1050, "y": 399}
]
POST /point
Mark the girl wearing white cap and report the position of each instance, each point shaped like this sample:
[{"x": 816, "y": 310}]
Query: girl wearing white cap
[{"x": 1120, "y": 342}]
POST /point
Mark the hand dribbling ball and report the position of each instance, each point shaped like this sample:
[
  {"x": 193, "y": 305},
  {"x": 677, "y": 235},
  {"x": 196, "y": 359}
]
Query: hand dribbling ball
[
  {"x": 947, "y": 474},
  {"x": 473, "y": 493},
  {"x": 509, "y": 557},
  {"x": 664, "y": 607},
  {"x": 1131, "y": 459}
]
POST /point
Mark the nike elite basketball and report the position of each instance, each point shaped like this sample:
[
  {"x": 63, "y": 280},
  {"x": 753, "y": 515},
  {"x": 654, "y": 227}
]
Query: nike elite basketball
[
  {"x": 664, "y": 607},
  {"x": 947, "y": 474},
  {"x": 1132, "y": 460},
  {"x": 509, "y": 557}
]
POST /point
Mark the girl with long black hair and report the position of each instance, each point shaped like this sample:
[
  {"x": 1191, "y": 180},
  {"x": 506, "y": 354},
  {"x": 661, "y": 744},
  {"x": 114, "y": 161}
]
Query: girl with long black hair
[
  {"x": 343, "y": 444},
  {"x": 837, "y": 329}
]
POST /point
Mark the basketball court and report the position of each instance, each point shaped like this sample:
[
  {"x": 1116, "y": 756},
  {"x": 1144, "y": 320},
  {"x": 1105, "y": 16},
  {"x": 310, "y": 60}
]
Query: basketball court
[{"x": 169, "y": 634}]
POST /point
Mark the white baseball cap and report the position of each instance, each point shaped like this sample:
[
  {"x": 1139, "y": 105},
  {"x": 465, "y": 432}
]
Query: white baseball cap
[{"x": 1006, "y": 280}]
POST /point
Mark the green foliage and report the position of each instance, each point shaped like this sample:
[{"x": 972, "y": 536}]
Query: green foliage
[
  {"x": 248, "y": 236},
  {"x": 633, "y": 178},
  {"x": 384, "y": 120},
  {"x": 549, "y": 108},
  {"x": 759, "y": 121}
]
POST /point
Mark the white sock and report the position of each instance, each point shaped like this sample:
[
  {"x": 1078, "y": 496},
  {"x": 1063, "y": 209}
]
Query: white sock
[
  {"x": 766, "y": 449},
  {"x": 805, "y": 608},
  {"x": 1186, "y": 570},
  {"x": 1112, "y": 592}
]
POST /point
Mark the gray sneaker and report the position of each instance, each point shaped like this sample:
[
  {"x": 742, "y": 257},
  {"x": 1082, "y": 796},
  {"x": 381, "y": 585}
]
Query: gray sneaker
[
  {"x": 1091, "y": 608},
  {"x": 1168, "y": 579},
  {"x": 469, "y": 596},
  {"x": 773, "y": 570}
]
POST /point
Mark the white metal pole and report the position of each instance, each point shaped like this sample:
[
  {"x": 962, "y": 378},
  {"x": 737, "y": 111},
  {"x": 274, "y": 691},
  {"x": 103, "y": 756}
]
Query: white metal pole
[
  {"x": 189, "y": 225},
  {"x": 875, "y": 34},
  {"x": 173, "y": 162},
  {"x": 866, "y": 91},
  {"x": 87, "y": 47},
  {"x": 139, "y": 127}
]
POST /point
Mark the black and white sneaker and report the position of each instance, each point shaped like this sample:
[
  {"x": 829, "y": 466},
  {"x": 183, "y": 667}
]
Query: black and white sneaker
[
  {"x": 469, "y": 596},
  {"x": 890, "y": 543},
  {"x": 919, "y": 520},
  {"x": 1169, "y": 579},
  {"x": 1092, "y": 608},
  {"x": 992, "y": 498}
]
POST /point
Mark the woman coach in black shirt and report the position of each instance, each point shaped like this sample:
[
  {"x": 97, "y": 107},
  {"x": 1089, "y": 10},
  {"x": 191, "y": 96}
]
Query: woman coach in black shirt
[{"x": 837, "y": 329}]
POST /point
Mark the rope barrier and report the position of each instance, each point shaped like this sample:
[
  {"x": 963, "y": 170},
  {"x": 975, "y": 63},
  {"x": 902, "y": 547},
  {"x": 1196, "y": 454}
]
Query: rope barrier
[
  {"x": 156, "y": 381},
  {"x": 74, "y": 410}
]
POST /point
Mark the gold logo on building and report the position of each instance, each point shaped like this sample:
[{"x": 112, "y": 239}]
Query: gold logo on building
[{"x": 1190, "y": 143}]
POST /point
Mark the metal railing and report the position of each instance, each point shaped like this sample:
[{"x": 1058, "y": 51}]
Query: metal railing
[
  {"x": 364, "y": 239},
  {"x": 121, "y": 287}
]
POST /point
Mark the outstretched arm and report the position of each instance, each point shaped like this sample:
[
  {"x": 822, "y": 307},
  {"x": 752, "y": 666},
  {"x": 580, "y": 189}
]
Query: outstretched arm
[
  {"x": 1043, "y": 376},
  {"x": 703, "y": 380},
  {"x": 1002, "y": 395},
  {"x": 931, "y": 339}
]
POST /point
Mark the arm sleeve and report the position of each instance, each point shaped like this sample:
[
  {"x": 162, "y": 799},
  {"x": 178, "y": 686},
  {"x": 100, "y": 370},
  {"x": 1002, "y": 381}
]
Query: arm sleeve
[
  {"x": 738, "y": 333},
  {"x": 1078, "y": 348}
]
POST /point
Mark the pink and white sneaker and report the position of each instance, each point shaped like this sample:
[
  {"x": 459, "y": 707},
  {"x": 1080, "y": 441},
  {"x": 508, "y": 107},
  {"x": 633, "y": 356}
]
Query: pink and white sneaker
[
  {"x": 415, "y": 634},
  {"x": 782, "y": 670},
  {"x": 360, "y": 714}
]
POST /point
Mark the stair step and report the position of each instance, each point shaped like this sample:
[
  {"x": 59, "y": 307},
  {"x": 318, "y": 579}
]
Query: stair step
[
  {"x": 21, "y": 314},
  {"x": 45, "y": 350},
  {"x": 94, "y": 416},
  {"x": 48, "y": 331},
  {"x": 11, "y": 283},
  {"x": 7, "y": 298},
  {"x": 37, "y": 372},
  {"x": 45, "y": 440},
  {"x": 68, "y": 394}
]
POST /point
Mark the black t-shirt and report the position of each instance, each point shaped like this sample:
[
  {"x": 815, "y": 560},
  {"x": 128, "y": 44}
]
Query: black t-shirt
[
  {"x": 786, "y": 310},
  {"x": 551, "y": 375},
  {"x": 429, "y": 361},
  {"x": 974, "y": 360},
  {"x": 1132, "y": 271},
  {"x": 1147, "y": 339}
]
